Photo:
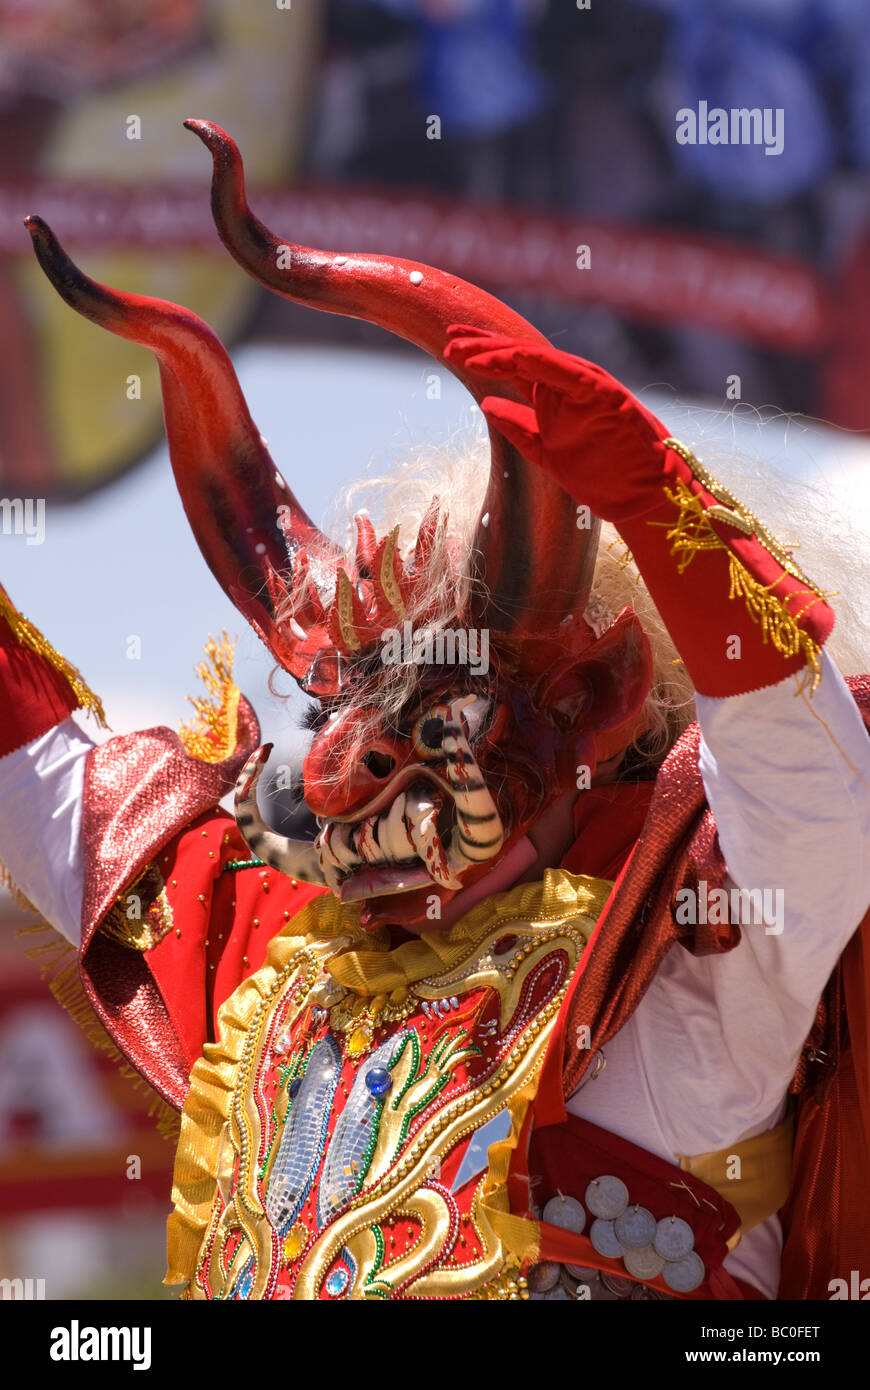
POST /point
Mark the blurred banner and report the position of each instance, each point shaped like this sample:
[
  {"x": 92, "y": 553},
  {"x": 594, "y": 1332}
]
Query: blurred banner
[
  {"x": 92, "y": 98},
  {"x": 581, "y": 161}
]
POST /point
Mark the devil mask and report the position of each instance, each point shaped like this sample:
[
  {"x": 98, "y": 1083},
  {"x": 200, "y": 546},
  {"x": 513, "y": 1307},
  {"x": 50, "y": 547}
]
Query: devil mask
[{"x": 415, "y": 801}]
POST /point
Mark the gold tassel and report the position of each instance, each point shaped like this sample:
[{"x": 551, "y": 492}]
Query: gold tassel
[
  {"x": 211, "y": 734},
  {"x": 29, "y": 636},
  {"x": 694, "y": 531}
]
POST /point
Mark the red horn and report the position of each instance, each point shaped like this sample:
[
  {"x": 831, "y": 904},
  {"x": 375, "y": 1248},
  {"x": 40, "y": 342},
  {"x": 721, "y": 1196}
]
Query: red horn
[
  {"x": 534, "y": 561},
  {"x": 242, "y": 512}
]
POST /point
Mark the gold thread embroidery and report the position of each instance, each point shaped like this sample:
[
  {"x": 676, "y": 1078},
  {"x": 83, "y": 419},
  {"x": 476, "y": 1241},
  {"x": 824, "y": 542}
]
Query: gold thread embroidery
[
  {"x": 734, "y": 513},
  {"x": 153, "y": 918},
  {"x": 693, "y": 531}
]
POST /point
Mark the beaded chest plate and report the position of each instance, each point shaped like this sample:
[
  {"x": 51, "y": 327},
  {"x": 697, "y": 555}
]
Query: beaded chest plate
[{"x": 332, "y": 1124}]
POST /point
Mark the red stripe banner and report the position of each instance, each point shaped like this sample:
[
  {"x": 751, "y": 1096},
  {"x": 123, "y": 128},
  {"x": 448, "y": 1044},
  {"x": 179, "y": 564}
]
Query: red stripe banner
[{"x": 658, "y": 274}]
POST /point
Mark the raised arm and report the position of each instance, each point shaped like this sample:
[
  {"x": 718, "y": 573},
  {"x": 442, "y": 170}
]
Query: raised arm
[{"x": 740, "y": 612}]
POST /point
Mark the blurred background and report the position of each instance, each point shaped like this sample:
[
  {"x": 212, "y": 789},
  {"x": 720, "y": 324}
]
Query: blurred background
[{"x": 494, "y": 138}]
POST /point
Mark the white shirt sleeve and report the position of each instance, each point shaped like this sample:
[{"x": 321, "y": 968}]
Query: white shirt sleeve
[
  {"x": 787, "y": 776},
  {"x": 40, "y": 823}
]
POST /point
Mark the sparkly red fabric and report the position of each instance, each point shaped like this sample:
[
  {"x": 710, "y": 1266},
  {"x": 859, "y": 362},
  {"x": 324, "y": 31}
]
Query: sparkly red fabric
[{"x": 140, "y": 791}]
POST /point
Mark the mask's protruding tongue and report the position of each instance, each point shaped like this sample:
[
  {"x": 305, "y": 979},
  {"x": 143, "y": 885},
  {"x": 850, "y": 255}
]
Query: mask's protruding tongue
[{"x": 501, "y": 877}]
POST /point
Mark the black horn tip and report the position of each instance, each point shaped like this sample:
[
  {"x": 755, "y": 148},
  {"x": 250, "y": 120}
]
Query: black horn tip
[
  {"x": 38, "y": 228},
  {"x": 50, "y": 254}
]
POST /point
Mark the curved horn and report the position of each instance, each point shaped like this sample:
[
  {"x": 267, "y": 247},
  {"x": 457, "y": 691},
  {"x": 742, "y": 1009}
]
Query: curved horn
[
  {"x": 534, "y": 561},
  {"x": 240, "y": 509},
  {"x": 295, "y": 858}
]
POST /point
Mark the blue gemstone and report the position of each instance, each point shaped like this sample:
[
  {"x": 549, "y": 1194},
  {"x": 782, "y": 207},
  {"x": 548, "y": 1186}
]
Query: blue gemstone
[
  {"x": 294, "y": 1088},
  {"x": 378, "y": 1081},
  {"x": 337, "y": 1282}
]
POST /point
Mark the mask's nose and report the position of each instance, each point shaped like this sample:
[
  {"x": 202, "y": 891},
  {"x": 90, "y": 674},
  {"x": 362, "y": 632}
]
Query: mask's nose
[{"x": 349, "y": 762}]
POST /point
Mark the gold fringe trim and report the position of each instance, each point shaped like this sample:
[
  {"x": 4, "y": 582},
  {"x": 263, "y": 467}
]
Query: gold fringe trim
[
  {"x": 198, "y": 1164},
  {"x": 29, "y": 636},
  {"x": 18, "y": 897},
  {"x": 211, "y": 735},
  {"x": 694, "y": 532},
  {"x": 60, "y": 969}
]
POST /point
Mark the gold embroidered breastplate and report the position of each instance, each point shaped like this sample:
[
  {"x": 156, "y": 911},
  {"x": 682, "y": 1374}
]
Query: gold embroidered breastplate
[{"x": 322, "y": 1144}]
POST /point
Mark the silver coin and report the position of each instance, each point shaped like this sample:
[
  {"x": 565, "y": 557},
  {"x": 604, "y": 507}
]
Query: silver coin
[
  {"x": 606, "y": 1197},
  {"x": 635, "y": 1228},
  {"x": 558, "y": 1295},
  {"x": 645, "y": 1263},
  {"x": 617, "y": 1283},
  {"x": 600, "y": 1293},
  {"x": 582, "y": 1272},
  {"x": 543, "y": 1276},
  {"x": 686, "y": 1274},
  {"x": 567, "y": 1213},
  {"x": 603, "y": 1238},
  {"x": 674, "y": 1238}
]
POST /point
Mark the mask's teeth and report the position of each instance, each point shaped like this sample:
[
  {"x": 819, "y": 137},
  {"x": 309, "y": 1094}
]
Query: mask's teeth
[
  {"x": 367, "y": 842},
  {"x": 427, "y": 842},
  {"x": 341, "y": 845},
  {"x": 329, "y": 862},
  {"x": 393, "y": 835}
]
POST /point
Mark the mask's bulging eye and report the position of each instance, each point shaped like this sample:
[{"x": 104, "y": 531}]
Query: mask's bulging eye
[{"x": 428, "y": 733}]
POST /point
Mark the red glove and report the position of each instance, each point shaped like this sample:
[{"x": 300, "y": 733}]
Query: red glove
[
  {"x": 580, "y": 423},
  {"x": 714, "y": 581}
]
